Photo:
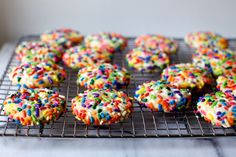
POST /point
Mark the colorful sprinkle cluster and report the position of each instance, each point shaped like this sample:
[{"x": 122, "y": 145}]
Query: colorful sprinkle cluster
[
  {"x": 147, "y": 60},
  {"x": 36, "y": 51},
  {"x": 65, "y": 37},
  {"x": 161, "y": 96},
  {"x": 157, "y": 42},
  {"x": 34, "y": 106},
  {"x": 80, "y": 56},
  {"x": 104, "y": 41},
  {"x": 218, "y": 108},
  {"x": 205, "y": 39},
  {"x": 186, "y": 75},
  {"x": 37, "y": 75},
  {"x": 227, "y": 84},
  {"x": 101, "y": 107},
  {"x": 103, "y": 76},
  {"x": 215, "y": 60}
]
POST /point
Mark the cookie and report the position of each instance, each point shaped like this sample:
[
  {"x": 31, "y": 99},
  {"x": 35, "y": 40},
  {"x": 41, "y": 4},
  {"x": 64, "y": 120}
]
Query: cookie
[
  {"x": 34, "y": 106},
  {"x": 104, "y": 41},
  {"x": 161, "y": 96},
  {"x": 80, "y": 56},
  {"x": 103, "y": 76},
  {"x": 37, "y": 75},
  {"x": 215, "y": 60},
  {"x": 218, "y": 109},
  {"x": 227, "y": 84},
  {"x": 65, "y": 37},
  {"x": 101, "y": 107},
  {"x": 186, "y": 75},
  {"x": 205, "y": 39},
  {"x": 146, "y": 60},
  {"x": 158, "y": 42},
  {"x": 37, "y": 51}
]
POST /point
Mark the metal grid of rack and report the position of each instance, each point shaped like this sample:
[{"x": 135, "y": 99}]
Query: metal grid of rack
[{"x": 142, "y": 123}]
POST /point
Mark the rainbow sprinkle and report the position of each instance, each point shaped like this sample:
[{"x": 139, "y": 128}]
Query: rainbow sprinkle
[
  {"x": 146, "y": 60},
  {"x": 161, "y": 96},
  {"x": 186, "y": 75},
  {"x": 80, "y": 56},
  {"x": 101, "y": 107},
  {"x": 215, "y": 60},
  {"x": 65, "y": 37},
  {"x": 37, "y": 75},
  {"x": 104, "y": 41},
  {"x": 37, "y": 51},
  {"x": 227, "y": 84},
  {"x": 205, "y": 39},
  {"x": 103, "y": 76},
  {"x": 218, "y": 108},
  {"x": 34, "y": 106},
  {"x": 157, "y": 42}
]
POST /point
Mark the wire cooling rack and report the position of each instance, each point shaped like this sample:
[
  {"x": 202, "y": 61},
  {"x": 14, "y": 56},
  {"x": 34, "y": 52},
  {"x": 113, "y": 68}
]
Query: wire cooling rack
[{"x": 142, "y": 123}]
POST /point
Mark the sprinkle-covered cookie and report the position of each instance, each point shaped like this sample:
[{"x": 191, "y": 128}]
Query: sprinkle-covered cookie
[
  {"x": 186, "y": 75},
  {"x": 158, "y": 42},
  {"x": 227, "y": 84},
  {"x": 215, "y": 60},
  {"x": 34, "y": 106},
  {"x": 161, "y": 96},
  {"x": 37, "y": 75},
  {"x": 218, "y": 108},
  {"x": 37, "y": 51},
  {"x": 80, "y": 56},
  {"x": 205, "y": 39},
  {"x": 104, "y": 41},
  {"x": 101, "y": 107},
  {"x": 65, "y": 37},
  {"x": 147, "y": 60},
  {"x": 103, "y": 76}
]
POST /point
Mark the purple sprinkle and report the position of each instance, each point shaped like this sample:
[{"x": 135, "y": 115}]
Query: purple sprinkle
[
  {"x": 50, "y": 80},
  {"x": 117, "y": 110},
  {"x": 37, "y": 112}
]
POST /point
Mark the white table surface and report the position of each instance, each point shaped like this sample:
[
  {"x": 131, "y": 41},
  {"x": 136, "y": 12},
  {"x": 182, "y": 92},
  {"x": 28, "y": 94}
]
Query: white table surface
[{"x": 39, "y": 147}]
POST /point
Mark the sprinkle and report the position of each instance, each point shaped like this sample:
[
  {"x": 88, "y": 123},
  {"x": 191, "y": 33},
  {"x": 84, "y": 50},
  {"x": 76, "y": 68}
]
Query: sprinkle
[
  {"x": 106, "y": 106},
  {"x": 31, "y": 106},
  {"x": 159, "y": 96}
]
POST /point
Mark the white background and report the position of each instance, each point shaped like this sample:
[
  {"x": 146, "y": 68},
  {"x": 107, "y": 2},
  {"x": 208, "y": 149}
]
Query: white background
[{"x": 129, "y": 17}]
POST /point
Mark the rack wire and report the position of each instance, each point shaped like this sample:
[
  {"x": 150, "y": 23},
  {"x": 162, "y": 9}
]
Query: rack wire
[{"x": 142, "y": 123}]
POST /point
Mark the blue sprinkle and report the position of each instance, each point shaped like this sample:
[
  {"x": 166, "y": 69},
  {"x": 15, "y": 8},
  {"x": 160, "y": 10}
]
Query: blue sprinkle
[
  {"x": 183, "y": 100},
  {"x": 172, "y": 102},
  {"x": 17, "y": 100},
  {"x": 160, "y": 107},
  {"x": 24, "y": 106},
  {"x": 36, "y": 77},
  {"x": 29, "y": 112},
  {"x": 91, "y": 119},
  {"x": 102, "y": 115},
  {"x": 108, "y": 117},
  {"x": 234, "y": 109},
  {"x": 41, "y": 82}
]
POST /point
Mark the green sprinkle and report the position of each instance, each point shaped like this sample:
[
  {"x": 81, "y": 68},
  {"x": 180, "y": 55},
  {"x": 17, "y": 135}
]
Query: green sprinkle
[
  {"x": 214, "y": 104},
  {"x": 144, "y": 100},
  {"x": 34, "y": 118},
  {"x": 224, "y": 84},
  {"x": 153, "y": 96},
  {"x": 94, "y": 107},
  {"x": 33, "y": 108},
  {"x": 92, "y": 81},
  {"x": 19, "y": 109}
]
